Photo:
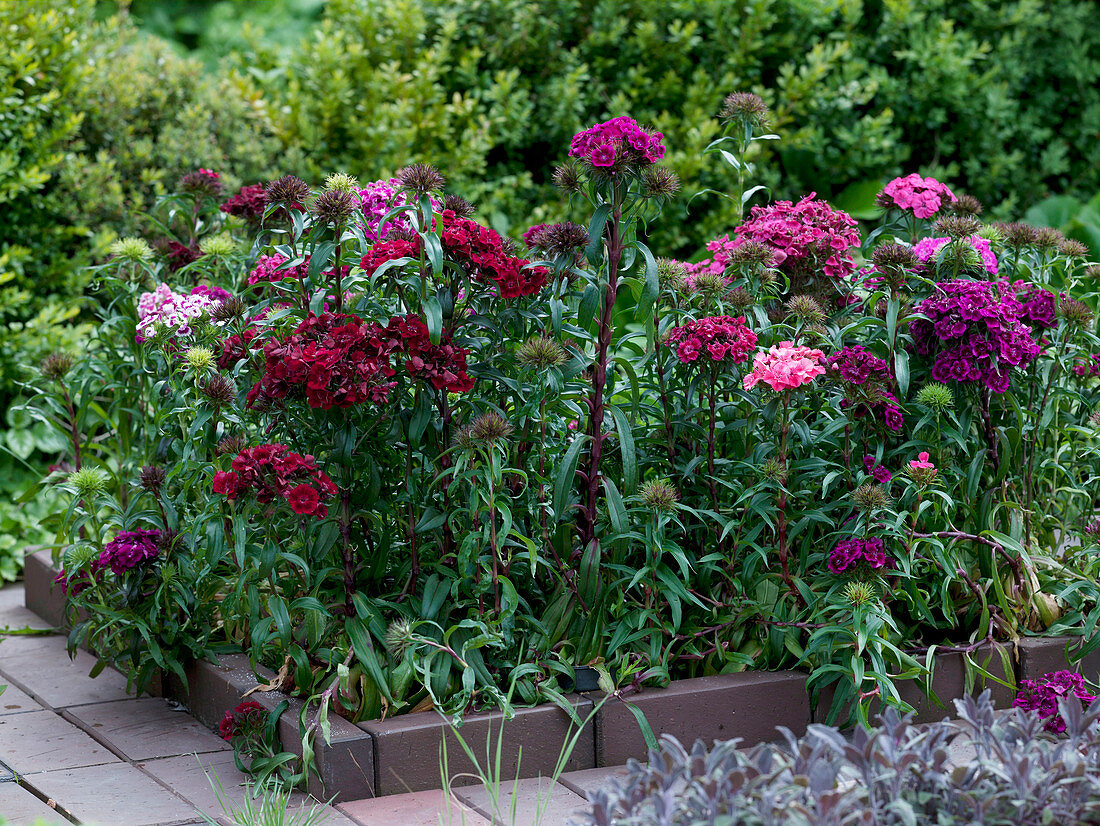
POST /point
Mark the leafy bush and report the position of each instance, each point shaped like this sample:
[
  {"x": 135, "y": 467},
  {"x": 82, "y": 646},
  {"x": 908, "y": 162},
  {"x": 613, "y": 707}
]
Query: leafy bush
[
  {"x": 404, "y": 463},
  {"x": 1000, "y": 94},
  {"x": 1011, "y": 772}
]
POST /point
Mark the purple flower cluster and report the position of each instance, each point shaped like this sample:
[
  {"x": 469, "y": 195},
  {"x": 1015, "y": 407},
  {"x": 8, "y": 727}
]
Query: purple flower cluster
[
  {"x": 926, "y": 249},
  {"x": 1041, "y": 696},
  {"x": 880, "y": 473},
  {"x": 851, "y": 552},
  {"x": 974, "y": 332},
  {"x": 1088, "y": 368},
  {"x": 618, "y": 142},
  {"x": 128, "y": 550},
  {"x": 1040, "y": 308},
  {"x": 857, "y": 364}
]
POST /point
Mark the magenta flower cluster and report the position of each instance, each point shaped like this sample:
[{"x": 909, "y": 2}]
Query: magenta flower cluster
[
  {"x": 853, "y": 552},
  {"x": 1090, "y": 368},
  {"x": 1040, "y": 307},
  {"x": 1041, "y": 696},
  {"x": 926, "y": 248},
  {"x": 618, "y": 141},
  {"x": 924, "y": 197},
  {"x": 128, "y": 550},
  {"x": 718, "y": 337},
  {"x": 973, "y": 331},
  {"x": 720, "y": 249},
  {"x": 807, "y": 237},
  {"x": 166, "y": 309},
  {"x": 379, "y": 197},
  {"x": 876, "y": 471},
  {"x": 857, "y": 364}
]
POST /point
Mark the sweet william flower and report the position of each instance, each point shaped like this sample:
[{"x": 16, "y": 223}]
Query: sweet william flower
[
  {"x": 785, "y": 366},
  {"x": 922, "y": 461}
]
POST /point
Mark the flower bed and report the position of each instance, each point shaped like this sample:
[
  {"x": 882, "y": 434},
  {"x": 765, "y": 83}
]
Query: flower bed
[{"x": 402, "y": 462}]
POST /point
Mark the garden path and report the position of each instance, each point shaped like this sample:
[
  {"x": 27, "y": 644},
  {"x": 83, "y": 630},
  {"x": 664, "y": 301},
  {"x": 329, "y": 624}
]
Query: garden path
[{"x": 79, "y": 750}]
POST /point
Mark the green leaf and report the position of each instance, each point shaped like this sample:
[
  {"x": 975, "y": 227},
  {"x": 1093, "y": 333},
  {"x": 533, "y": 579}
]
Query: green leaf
[
  {"x": 588, "y": 576},
  {"x": 563, "y": 482},
  {"x": 595, "y": 233},
  {"x": 433, "y": 317},
  {"x": 586, "y": 310},
  {"x": 365, "y": 653},
  {"x": 626, "y": 449}
]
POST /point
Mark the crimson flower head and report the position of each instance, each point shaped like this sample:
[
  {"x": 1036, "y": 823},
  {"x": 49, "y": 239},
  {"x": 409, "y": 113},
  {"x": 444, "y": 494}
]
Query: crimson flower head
[
  {"x": 272, "y": 471},
  {"x": 247, "y": 718},
  {"x": 303, "y": 499},
  {"x": 718, "y": 338}
]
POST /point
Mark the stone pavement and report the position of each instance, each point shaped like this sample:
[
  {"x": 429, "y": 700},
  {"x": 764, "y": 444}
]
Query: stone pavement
[{"x": 79, "y": 750}]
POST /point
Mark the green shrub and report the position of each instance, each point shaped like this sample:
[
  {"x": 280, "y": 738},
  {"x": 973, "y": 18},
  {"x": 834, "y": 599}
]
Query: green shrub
[{"x": 998, "y": 98}]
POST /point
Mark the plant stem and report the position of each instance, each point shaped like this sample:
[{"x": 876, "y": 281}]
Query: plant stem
[{"x": 781, "y": 500}]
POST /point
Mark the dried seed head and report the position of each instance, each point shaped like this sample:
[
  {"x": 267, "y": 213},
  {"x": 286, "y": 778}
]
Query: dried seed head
[
  {"x": 231, "y": 445},
  {"x": 659, "y": 182},
  {"x": 1076, "y": 313},
  {"x": 1017, "y": 235},
  {"x": 752, "y": 253},
  {"x": 966, "y": 205},
  {"x": 56, "y": 365},
  {"x": 993, "y": 234},
  {"x": 1094, "y": 419},
  {"x": 567, "y": 178},
  {"x": 709, "y": 284},
  {"x": 342, "y": 182},
  {"x": 858, "y": 593},
  {"x": 745, "y": 107},
  {"x": 894, "y": 256},
  {"x": 870, "y": 497},
  {"x": 490, "y": 429},
  {"x": 1048, "y": 238},
  {"x": 459, "y": 206},
  {"x": 421, "y": 179},
  {"x": 131, "y": 250},
  {"x": 287, "y": 190},
  {"x": 229, "y": 309},
  {"x": 88, "y": 481},
  {"x": 564, "y": 239},
  {"x": 659, "y": 495},
  {"x": 957, "y": 226},
  {"x": 959, "y": 257},
  {"x": 671, "y": 274},
  {"x": 936, "y": 397},
  {"x": 334, "y": 206},
  {"x": 398, "y": 638},
  {"x": 221, "y": 245},
  {"x": 806, "y": 309},
  {"x": 739, "y": 298},
  {"x": 152, "y": 478},
  {"x": 541, "y": 353},
  {"x": 922, "y": 476},
  {"x": 510, "y": 247},
  {"x": 202, "y": 182},
  {"x": 219, "y": 391},
  {"x": 1073, "y": 249},
  {"x": 199, "y": 359}
]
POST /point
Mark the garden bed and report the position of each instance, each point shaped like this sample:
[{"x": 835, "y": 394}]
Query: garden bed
[{"x": 401, "y": 754}]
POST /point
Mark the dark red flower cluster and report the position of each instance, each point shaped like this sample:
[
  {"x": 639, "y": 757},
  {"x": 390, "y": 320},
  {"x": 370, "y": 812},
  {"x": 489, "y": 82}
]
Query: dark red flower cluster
[
  {"x": 274, "y": 470},
  {"x": 249, "y": 203},
  {"x": 175, "y": 253},
  {"x": 342, "y": 360},
  {"x": 476, "y": 248},
  {"x": 718, "y": 337},
  {"x": 238, "y": 347},
  {"x": 247, "y": 718}
]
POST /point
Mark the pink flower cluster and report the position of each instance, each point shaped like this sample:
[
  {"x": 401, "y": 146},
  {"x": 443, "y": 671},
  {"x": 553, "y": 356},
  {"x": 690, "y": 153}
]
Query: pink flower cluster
[
  {"x": 807, "y": 237},
  {"x": 1041, "y": 696},
  {"x": 164, "y": 308},
  {"x": 619, "y": 142},
  {"x": 379, "y": 197},
  {"x": 715, "y": 265},
  {"x": 785, "y": 367},
  {"x": 926, "y": 248},
  {"x": 720, "y": 337},
  {"x": 852, "y": 552},
  {"x": 924, "y": 197}
]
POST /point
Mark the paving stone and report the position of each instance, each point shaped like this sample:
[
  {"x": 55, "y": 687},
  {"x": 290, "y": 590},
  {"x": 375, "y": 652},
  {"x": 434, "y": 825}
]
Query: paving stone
[
  {"x": 137, "y": 799},
  {"x": 190, "y": 777},
  {"x": 144, "y": 728},
  {"x": 41, "y": 667},
  {"x": 40, "y": 740},
  {"x": 14, "y": 701},
  {"x": 538, "y": 800},
  {"x": 428, "y": 808},
  {"x": 587, "y": 781},
  {"x": 21, "y": 807}
]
